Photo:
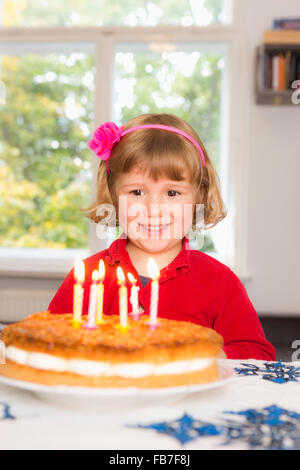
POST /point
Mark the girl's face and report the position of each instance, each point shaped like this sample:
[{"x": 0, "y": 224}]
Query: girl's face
[{"x": 155, "y": 215}]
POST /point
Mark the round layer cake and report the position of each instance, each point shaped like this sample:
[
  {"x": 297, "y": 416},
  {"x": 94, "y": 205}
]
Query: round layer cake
[{"x": 45, "y": 348}]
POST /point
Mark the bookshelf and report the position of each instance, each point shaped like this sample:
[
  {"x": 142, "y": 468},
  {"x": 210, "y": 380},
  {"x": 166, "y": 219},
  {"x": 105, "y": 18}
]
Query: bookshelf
[
  {"x": 284, "y": 37},
  {"x": 286, "y": 44}
]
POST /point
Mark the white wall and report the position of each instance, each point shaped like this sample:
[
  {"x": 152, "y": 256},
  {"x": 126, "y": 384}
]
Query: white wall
[{"x": 273, "y": 219}]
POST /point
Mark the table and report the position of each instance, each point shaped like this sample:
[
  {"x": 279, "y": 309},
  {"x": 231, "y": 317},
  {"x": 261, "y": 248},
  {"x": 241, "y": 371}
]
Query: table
[{"x": 271, "y": 390}]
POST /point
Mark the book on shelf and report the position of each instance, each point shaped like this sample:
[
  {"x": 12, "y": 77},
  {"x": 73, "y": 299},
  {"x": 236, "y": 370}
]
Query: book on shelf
[
  {"x": 287, "y": 23},
  {"x": 275, "y": 72},
  {"x": 281, "y": 69},
  {"x": 288, "y": 57}
]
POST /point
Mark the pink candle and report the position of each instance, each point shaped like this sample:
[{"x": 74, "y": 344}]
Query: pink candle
[
  {"x": 122, "y": 300},
  {"x": 154, "y": 273},
  {"x": 91, "y": 322},
  {"x": 100, "y": 294},
  {"x": 134, "y": 299}
]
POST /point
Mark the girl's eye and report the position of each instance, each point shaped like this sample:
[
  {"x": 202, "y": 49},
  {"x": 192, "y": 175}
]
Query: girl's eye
[
  {"x": 173, "y": 193},
  {"x": 136, "y": 192}
]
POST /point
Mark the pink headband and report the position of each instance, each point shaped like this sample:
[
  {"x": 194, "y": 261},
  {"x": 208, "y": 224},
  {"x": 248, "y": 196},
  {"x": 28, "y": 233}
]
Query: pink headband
[{"x": 106, "y": 135}]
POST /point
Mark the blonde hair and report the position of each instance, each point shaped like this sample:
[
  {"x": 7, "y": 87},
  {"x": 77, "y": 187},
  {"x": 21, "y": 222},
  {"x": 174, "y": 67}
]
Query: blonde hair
[{"x": 160, "y": 153}]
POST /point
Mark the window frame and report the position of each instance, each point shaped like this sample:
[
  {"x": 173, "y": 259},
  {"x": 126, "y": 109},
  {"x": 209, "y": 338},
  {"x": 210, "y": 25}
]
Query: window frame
[{"x": 104, "y": 39}]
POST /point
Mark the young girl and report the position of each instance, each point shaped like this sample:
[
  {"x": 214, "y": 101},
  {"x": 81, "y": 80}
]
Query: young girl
[{"x": 154, "y": 171}]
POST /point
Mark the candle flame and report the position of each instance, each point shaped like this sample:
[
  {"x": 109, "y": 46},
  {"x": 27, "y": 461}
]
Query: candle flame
[
  {"x": 131, "y": 278},
  {"x": 79, "y": 271},
  {"x": 95, "y": 275},
  {"x": 120, "y": 274},
  {"x": 152, "y": 268},
  {"x": 101, "y": 269}
]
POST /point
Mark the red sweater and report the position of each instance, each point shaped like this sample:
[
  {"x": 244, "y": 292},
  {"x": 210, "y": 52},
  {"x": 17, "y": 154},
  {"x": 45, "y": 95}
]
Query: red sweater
[{"x": 194, "y": 287}]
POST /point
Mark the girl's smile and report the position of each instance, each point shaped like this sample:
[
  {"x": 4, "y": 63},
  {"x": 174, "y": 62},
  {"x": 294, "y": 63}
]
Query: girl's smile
[{"x": 154, "y": 231}]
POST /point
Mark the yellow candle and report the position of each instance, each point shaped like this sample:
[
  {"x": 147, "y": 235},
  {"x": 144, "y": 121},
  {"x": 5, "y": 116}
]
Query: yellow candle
[
  {"x": 100, "y": 294},
  {"x": 134, "y": 299},
  {"x": 122, "y": 299},
  {"x": 78, "y": 293},
  {"x": 91, "y": 322},
  {"x": 154, "y": 273}
]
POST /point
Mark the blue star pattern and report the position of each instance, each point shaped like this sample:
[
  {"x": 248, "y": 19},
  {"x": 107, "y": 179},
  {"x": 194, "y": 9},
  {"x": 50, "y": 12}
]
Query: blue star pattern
[
  {"x": 276, "y": 372},
  {"x": 184, "y": 429},
  {"x": 5, "y": 412},
  {"x": 270, "y": 428}
]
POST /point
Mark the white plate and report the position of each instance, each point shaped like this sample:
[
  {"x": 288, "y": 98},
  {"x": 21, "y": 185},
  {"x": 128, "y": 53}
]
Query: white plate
[{"x": 89, "y": 397}]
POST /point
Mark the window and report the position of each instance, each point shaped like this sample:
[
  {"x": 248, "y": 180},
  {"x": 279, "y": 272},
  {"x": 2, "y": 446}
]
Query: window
[
  {"x": 44, "y": 158},
  {"x": 31, "y": 13},
  {"x": 59, "y": 82}
]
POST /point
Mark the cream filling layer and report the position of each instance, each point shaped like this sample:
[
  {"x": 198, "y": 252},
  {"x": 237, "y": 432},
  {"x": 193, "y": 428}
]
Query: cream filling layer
[{"x": 88, "y": 368}]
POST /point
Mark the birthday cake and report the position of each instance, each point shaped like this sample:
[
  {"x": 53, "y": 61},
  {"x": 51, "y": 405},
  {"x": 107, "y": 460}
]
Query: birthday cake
[{"x": 45, "y": 348}]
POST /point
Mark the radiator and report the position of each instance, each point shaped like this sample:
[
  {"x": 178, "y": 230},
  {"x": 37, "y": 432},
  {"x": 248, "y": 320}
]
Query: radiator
[{"x": 16, "y": 304}]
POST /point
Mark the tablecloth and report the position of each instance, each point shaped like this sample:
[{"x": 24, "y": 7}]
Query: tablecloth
[{"x": 258, "y": 408}]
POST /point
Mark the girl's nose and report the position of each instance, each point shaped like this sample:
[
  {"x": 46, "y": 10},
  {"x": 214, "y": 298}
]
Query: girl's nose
[{"x": 154, "y": 206}]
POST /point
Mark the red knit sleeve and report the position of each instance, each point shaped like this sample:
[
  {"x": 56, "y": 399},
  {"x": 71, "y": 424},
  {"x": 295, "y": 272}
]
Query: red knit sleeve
[
  {"x": 62, "y": 302},
  {"x": 238, "y": 323}
]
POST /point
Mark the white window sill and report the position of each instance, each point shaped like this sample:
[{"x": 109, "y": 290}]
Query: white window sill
[{"x": 37, "y": 262}]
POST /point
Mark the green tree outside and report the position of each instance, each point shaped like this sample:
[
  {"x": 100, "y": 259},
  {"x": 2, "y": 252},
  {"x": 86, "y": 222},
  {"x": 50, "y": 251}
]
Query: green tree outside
[{"x": 44, "y": 158}]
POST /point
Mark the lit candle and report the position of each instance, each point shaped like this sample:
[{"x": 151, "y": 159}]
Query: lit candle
[
  {"x": 78, "y": 293},
  {"x": 154, "y": 273},
  {"x": 134, "y": 299},
  {"x": 122, "y": 299},
  {"x": 91, "y": 322},
  {"x": 100, "y": 294}
]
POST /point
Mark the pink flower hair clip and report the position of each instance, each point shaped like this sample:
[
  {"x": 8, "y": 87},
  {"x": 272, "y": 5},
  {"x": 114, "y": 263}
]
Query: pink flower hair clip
[{"x": 106, "y": 135}]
